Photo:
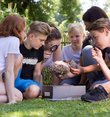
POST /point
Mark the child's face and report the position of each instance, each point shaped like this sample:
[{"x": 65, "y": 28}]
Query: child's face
[
  {"x": 76, "y": 38},
  {"x": 23, "y": 35},
  {"x": 101, "y": 39},
  {"x": 52, "y": 45},
  {"x": 36, "y": 41}
]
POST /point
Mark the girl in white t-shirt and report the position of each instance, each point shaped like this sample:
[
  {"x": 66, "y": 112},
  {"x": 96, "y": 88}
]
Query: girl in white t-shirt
[
  {"x": 11, "y": 34},
  {"x": 72, "y": 51}
]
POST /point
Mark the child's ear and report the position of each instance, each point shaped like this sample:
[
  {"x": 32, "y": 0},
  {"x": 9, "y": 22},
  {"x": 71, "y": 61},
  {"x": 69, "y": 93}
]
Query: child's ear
[
  {"x": 106, "y": 31},
  {"x": 31, "y": 36}
]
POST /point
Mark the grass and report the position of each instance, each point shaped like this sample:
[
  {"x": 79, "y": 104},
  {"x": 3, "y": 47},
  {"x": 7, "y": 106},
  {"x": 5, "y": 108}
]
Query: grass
[{"x": 45, "y": 108}]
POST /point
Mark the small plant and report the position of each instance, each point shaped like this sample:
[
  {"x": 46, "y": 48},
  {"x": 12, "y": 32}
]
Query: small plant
[{"x": 47, "y": 76}]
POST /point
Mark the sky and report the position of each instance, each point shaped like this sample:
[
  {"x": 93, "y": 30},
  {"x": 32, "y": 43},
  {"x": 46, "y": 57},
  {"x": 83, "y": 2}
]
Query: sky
[{"x": 86, "y": 4}]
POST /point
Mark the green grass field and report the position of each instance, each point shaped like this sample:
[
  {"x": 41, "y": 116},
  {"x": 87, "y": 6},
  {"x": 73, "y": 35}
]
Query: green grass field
[{"x": 45, "y": 108}]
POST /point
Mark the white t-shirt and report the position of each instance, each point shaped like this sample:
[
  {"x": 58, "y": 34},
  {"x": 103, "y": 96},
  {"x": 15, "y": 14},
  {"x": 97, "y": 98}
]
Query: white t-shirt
[
  {"x": 8, "y": 45},
  {"x": 69, "y": 54}
]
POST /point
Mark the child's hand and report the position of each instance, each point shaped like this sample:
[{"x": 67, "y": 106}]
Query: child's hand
[
  {"x": 97, "y": 54},
  {"x": 76, "y": 71},
  {"x": 47, "y": 54}
]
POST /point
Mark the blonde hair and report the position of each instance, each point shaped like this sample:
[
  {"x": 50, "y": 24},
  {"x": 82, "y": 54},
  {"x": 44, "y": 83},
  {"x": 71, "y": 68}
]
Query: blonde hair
[
  {"x": 38, "y": 27},
  {"x": 76, "y": 26}
]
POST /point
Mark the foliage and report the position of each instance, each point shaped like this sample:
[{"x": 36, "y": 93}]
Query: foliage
[
  {"x": 5, "y": 11},
  {"x": 59, "y": 12},
  {"x": 21, "y": 5},
  {"x": 46, "y": 10},
  {"x": 69, "y": 10},
  {"x": 107, "y": 7},
  {"x": 47, "y": 76},
  {"x": 42, "y": 10}
]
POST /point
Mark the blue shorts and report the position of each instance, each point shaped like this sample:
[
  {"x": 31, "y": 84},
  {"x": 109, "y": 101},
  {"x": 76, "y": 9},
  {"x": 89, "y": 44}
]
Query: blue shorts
[{"x": 23, "y": 84}]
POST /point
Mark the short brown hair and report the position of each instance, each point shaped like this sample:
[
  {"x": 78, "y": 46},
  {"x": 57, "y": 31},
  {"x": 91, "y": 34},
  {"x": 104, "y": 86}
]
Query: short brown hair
[
  {"x": 54, "y": 34},
  {"x": 12, "y": 25},
  {"x": 100, "y": 24},
  {"x": 39, "y": 27}
]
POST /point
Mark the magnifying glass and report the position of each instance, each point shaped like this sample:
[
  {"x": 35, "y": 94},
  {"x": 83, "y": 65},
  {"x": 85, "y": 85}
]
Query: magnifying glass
[{"x": 53, "y": 48}]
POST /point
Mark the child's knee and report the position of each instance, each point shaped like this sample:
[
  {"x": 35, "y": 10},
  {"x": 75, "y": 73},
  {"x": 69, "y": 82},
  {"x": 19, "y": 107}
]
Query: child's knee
[{"x": 33, "y": 91}]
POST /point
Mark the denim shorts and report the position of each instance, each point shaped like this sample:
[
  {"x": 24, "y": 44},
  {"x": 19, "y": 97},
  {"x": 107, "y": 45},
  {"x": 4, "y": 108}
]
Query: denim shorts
[
  {"x": 23, "y": 84},
  {"x": 71, "y": 81}
]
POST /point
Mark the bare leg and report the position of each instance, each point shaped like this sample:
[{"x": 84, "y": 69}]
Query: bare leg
[
  {"x": 105, "y": 85},
  {"x": 3, "y": 99},
  {"x": 31, "y": 92},
  {"x": 3, "y": 96},
  {"x": 2, "y": 89}
]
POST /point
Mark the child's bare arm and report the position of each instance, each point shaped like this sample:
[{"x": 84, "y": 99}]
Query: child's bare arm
[
  {"x": 9, "y": 78},
  {"x": 86, "y": 69},
  {"x": 97, "y": 54},
  {"x": 37, "y": 72}
]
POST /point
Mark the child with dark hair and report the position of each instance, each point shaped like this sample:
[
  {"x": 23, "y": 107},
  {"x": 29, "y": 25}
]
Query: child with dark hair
[
  {"x": 91, "y": 15},
  {"x": 52, "y": 48},
  {"x": 98, "y": 73},
  {"x": 100, "y": 31}
]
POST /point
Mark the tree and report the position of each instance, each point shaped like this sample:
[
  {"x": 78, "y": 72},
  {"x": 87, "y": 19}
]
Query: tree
[
  {"x": 107, "y": 7},
  {"x": 40, "y": 10},
  {"x": 46, "y": 10},
  {"x": 69, "y": 10}
]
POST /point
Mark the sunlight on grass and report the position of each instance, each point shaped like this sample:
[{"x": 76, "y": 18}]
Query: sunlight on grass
[
  {"x": 45, "y": 108},
  {"x": 104, "y": 110},
  {"x": 38, "y": 113}
]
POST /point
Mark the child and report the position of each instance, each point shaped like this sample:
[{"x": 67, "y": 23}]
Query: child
[
  {"x": 11, "y": 34},
  {"x": 52, "y": 48},
  {"x": 28, "y": 80},
  {"x": 91, "y": 15},
  {"x": 100, "y": 32},
  {"x": 73, "y": 50}
]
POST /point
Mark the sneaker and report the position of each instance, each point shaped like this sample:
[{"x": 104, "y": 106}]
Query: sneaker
[{"x": 96, "y": 94}]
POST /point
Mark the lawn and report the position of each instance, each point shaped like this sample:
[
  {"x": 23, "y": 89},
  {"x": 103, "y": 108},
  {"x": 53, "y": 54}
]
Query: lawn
[{"x": 45, "y": 108}]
